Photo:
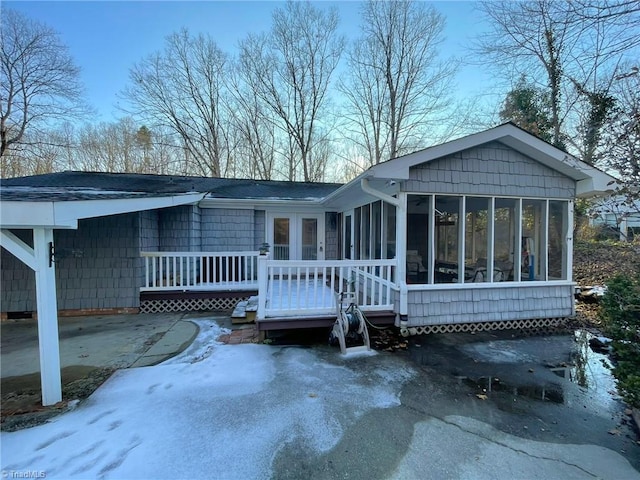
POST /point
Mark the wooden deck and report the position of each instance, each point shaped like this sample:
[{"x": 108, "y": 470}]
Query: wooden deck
[
  {"x": 290, "y": 294},
  {"x": 377, "y": 318}
]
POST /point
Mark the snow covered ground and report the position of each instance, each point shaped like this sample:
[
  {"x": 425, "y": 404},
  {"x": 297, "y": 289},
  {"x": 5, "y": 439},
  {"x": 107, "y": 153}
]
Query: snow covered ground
[{"x": 215, "y": 411}]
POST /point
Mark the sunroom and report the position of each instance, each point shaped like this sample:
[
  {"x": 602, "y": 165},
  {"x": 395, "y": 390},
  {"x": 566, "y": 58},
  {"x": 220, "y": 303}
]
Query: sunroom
[{"x": 480, "y": 227}]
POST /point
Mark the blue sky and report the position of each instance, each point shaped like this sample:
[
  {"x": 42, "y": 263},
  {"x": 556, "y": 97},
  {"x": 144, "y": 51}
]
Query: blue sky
[{"x": 107, "y": 38}]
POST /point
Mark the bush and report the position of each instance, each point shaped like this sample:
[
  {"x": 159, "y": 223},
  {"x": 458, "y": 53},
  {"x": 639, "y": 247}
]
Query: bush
[{"x": 621, "y": 315}]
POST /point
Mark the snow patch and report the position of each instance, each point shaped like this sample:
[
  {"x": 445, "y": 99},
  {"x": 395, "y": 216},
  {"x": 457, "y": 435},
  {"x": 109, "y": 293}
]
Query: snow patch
[{"x": 216, "y": 410}]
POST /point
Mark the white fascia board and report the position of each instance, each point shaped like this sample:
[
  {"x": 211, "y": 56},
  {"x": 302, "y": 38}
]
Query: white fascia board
[
  {"x": 598, "y": 184},
  {"x": 398, "y": 168},
  {"x": 65, "y": 215},
  {"x": 66, "y": 212},
  {"x": 30, "y": 215},
  {"x": 352, "y": 195},
  {"x": 506, "y": 134},
  {"x": 254, "y": 203}
]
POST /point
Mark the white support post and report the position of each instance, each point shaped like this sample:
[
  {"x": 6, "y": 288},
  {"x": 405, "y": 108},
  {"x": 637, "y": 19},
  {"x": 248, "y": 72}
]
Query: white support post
[
  {"x": 401, "y": 251},
  {"x": 262, "y": 286},
  {"x": 491, "y": 236},
  {"x": 462, "y": 237},
  {"x": 517, "y": 251},
  {"x": 568, "y": 229},
  {"x": 47, "y": 316}
]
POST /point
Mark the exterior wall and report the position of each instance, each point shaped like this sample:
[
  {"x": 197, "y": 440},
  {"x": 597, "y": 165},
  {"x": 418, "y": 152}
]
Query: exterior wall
[
  {"x": 97, "y": 266},
  {"x": 259, "y": 228},
  {"x": 331, "y": 236},
  {"x": 18, "y": 282},
  {"x": 196, "y": 229},
  {"x": 440, "y": 307},
  {"x": 491, "y": 169},
  {"x": 105, "y": 272},
  {"x": 149, "y": 233},
  {"x": 179, "y": 229},
  {"x": 227, "y": 230}
]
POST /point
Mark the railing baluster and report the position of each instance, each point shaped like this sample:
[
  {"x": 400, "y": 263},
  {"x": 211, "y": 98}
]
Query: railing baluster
[
  {"x": 370, "y": 280},
  {"x": 146, "y": 271},
  {"x": 315, "y": 287}
]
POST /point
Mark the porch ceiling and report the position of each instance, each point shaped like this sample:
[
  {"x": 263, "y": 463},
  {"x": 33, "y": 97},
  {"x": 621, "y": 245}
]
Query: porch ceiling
[{"x": 351, "y": 194}]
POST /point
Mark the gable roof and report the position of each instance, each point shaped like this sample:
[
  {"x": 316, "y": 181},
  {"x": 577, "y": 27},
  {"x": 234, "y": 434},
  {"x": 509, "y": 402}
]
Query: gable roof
[{"x": 589, "y": 180}]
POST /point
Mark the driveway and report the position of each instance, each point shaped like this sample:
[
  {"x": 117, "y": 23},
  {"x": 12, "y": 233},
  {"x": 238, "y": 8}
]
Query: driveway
[{"x": 456, "y": 406}]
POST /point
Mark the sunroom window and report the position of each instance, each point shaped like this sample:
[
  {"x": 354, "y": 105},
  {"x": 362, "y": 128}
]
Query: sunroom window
[
  {"x": 476, "y": 240},
  {"x": 455, "y": 239},
  {"x": 532, "y": 252},
  {"x": 558, "y": 229},
  {"x": 447, "y": 239},
  {"x": 504, "y": 239}
]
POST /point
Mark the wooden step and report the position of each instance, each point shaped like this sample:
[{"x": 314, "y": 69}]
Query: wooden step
[
  {"x": 251, "y": 309},
  {"x": 245, "y": 311}
]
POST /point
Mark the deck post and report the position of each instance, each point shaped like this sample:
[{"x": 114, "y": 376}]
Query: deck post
[
  {"x": 40, "y": 259},
  {"x": 48, "y": 338},
  {"x": 262, "y": 285}
]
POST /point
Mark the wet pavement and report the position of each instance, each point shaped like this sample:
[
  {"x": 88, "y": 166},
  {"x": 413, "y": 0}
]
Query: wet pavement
[
  {"x": 489, "y": 405},
  {"x": 547, "y": 388}
]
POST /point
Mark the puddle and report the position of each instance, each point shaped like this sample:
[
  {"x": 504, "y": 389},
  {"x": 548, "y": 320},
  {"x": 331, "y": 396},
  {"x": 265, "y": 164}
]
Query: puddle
[
  {"x": 558, "y": 369},
  {"x": 590, "y": 370},
  {"x": 487, "y": 385}
]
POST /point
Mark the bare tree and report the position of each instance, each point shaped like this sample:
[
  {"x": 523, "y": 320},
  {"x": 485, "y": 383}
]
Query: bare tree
[
  {"x": 183, "y": 88},
  {"x": 254, "y": 126},
  {"x": 622, "y": 153},
  {"x": 39, "y": 83},
  {"x": 532, "y": 38},
  {"x": 397, "y": 87},
  {"x": 290, "y": 71},
  {"x": 568, "y": 53},
  {"x": 121, "y": 146}
]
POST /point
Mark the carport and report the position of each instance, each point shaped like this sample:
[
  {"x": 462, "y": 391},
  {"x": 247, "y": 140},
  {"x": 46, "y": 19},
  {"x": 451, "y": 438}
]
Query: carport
[{"x": 43, "y": 210}]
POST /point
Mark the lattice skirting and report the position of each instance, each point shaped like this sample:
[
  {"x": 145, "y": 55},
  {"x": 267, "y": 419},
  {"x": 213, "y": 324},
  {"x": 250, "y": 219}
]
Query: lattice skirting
[
  {"x": 549, "y": 325},
  {"x": 189, "y": 304}
]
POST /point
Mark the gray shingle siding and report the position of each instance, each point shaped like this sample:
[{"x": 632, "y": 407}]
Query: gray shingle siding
[
  {"x": 179, "y": 229},
  {"x": 97, "y": 266},
  {"x": 227, "y": 230},
  {"x": 104, "y": 264},
  {"x": 196, "y": 233},
  {"x": 18, "y": 280},
  {"x": 440, "y": 307},
  {"x": 331, "y": 236},
  {"x": 149, "y": 234},
  {"x": 491, "y": 169},
  {"x": 259, "y": 228}
]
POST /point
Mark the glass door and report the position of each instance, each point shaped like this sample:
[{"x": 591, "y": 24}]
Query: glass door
[
  {"x": 296, "y": 236},
  {"x": 281, "y": 238},
  {"x": 309, "y": 237},
  {"x": 347, "y": 244}
]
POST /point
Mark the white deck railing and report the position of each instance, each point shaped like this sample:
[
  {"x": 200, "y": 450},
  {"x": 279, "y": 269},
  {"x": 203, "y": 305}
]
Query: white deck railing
[
  {"x": 285, "y": 287},
  {"x": 200, "y": 271},
  {"x": 309, "y": 287}
]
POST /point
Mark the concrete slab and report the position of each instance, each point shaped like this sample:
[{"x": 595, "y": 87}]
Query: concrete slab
[
  {"x": 174, "y": 341},
  {"x": 117, "y": 341}
]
